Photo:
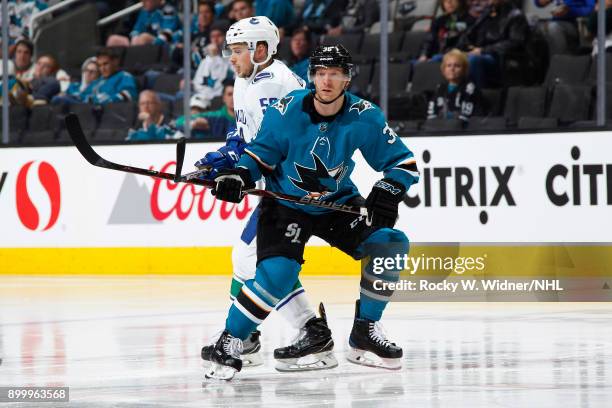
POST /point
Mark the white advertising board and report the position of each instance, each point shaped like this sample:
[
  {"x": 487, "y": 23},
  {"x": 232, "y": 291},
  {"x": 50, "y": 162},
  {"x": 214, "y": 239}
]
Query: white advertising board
[{"x": 484, "y": 189}]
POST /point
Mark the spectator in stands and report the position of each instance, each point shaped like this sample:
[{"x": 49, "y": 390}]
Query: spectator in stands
[
  {"x": 241, "y": 9},
  {"x": 157, "y": 23},
  {"x": 564, "y": 16},
  {"x": 200, "y": 31},
  {"x": 154, "y": 125},
  {"x": 501, "y": 31},
  {"x": 211, "y": 124},
  {"x": 301, "y": 45},
  {"x": 48, "y": 80},
  {"x": 89, "y": 73},
  {"x": 592, "y": 27},
  {"x": 279, "y": 11},
  {"x": 20, "y": 13},
  {"x": 76, "y": 91},
  {"x": 21, "y": 72},
  {"x": 476, "y": 7},
  {"x": 200, "y": 35},
  {"x": 214, "y": 69},
  {"x": 456, "y": 97},
  {"x": 319, "y": 16},
  {"x": 22, "y": 66},
  {"x": 113, "y": 85},
  {"x": 446, "y": 30},
  {"x": 358, "y": 17}
]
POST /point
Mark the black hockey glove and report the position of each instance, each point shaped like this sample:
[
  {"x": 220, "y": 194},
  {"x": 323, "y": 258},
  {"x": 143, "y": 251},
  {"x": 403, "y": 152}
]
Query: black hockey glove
[
  {"x": 383, "y": 201},
  {"x": 231, "y": 183}
]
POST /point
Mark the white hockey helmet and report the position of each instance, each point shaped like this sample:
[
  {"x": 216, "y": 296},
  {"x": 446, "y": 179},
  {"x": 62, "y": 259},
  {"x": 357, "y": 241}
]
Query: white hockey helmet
[{"x": 250, "y": 31}]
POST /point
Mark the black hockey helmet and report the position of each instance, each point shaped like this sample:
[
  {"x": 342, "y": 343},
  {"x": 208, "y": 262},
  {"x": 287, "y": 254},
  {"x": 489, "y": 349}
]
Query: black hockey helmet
[{"x": 325, "y": 56}]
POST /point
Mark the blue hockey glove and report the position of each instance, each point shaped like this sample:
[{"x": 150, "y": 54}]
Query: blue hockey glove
[
  {"x": 230, "y": 184},
  {"x": 224, "y": 158}
]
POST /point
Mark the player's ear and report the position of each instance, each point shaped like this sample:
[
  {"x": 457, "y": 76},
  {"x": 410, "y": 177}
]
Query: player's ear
[{"x": 261, "y": 51}]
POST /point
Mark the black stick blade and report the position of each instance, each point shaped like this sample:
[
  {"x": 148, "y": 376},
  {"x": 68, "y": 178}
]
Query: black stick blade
[
  {"x": 180, "y": 157},
  {"x": 73, "y": 125}
]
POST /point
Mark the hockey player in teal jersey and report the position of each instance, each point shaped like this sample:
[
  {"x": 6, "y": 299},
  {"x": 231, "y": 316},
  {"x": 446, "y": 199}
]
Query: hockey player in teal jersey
[{"x": 304, "y": 147}]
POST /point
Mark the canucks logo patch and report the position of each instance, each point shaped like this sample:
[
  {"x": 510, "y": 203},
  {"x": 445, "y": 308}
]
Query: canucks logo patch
[
  {"x": 283, "y": 103},
  {"x": 361, "y": 106},
  {"x": 318, "y": 181},
  {"x": 262, "y": 75}
]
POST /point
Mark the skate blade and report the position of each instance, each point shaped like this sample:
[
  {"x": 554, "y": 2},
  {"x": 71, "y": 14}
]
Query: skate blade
[
  {"x": 312, "y": 362},
  {"x": 251, "y": 360},
  {"x": 370, "y": 359},
  {"x": 248, "y": 360},
  {"x": 220, "y": 372}
]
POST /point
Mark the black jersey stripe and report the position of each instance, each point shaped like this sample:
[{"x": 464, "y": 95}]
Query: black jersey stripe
[{"x": 251, "y": 306}]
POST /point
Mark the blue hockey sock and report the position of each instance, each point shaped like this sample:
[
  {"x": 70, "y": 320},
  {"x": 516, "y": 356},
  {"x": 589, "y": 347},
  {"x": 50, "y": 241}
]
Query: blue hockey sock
[
  {"x": 370, "y": 308},
  {"x": 384, "y": 243},
  {"x": 274, "y": 279},
  {"x": 238, "y": 325}
]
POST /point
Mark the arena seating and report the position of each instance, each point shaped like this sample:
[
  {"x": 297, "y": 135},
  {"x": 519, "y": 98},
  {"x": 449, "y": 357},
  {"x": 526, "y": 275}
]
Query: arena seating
[{"x": 562, "y": 96}]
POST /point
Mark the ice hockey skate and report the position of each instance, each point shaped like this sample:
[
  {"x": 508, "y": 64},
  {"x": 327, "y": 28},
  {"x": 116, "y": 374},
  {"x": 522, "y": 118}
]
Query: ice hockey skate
[
  {"x": 225, "y": 358},
  {"x": 250, "y": 354},
  {"x": 369, "y": 345},
  {"x": 311, "y": 350}
]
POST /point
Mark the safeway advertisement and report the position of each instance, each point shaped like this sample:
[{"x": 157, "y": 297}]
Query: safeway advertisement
[{"x": 509, "y": 188}]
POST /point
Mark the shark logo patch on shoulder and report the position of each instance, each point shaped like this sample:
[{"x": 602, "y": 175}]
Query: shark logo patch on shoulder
[
  {"x": 282, "y": 104},
  {"x": 361, "y": 106}
]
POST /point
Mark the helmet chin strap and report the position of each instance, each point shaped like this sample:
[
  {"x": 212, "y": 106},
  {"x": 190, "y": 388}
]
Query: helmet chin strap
[
  {"x": 328, "y": 102},
  {"x": 314, "y": 94},
  {"x": 256, "y": 65}
]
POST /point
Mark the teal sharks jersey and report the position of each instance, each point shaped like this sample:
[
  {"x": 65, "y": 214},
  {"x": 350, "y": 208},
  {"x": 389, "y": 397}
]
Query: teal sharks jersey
[{"x": 303, "y": 157}]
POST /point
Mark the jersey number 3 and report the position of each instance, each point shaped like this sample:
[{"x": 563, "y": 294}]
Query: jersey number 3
[{"x": 390, "y": 132}]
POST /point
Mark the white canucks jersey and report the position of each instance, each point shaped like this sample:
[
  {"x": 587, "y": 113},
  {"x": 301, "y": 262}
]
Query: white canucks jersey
[{"x": 251, "y": 98}]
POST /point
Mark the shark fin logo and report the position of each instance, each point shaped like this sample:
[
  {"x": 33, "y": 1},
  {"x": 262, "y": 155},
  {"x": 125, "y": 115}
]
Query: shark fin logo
[
  {"x": 283, "y": 103},
  {"x": 318, "y": 181},
  {"x": 361, "y": 106}
]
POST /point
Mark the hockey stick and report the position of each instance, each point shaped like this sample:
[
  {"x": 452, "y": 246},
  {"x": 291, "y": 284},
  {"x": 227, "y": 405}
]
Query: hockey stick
[
  {"x": 180, "y": 157},
  {"x": 75, "y": 131}
]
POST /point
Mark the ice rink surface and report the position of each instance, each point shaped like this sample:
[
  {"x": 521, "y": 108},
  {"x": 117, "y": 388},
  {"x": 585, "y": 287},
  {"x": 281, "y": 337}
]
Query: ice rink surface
[{"x": 135, "y": 342}]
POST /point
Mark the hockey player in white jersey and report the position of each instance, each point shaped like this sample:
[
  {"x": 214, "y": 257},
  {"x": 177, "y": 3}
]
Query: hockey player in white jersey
[{"x": 260, "y": 82}]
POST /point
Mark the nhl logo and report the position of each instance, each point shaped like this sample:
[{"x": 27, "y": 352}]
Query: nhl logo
[{"x": 323, "y": 127}]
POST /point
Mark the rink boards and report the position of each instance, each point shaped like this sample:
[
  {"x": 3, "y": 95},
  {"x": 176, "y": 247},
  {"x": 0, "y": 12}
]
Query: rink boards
[{"x": 528, "y": 202}]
